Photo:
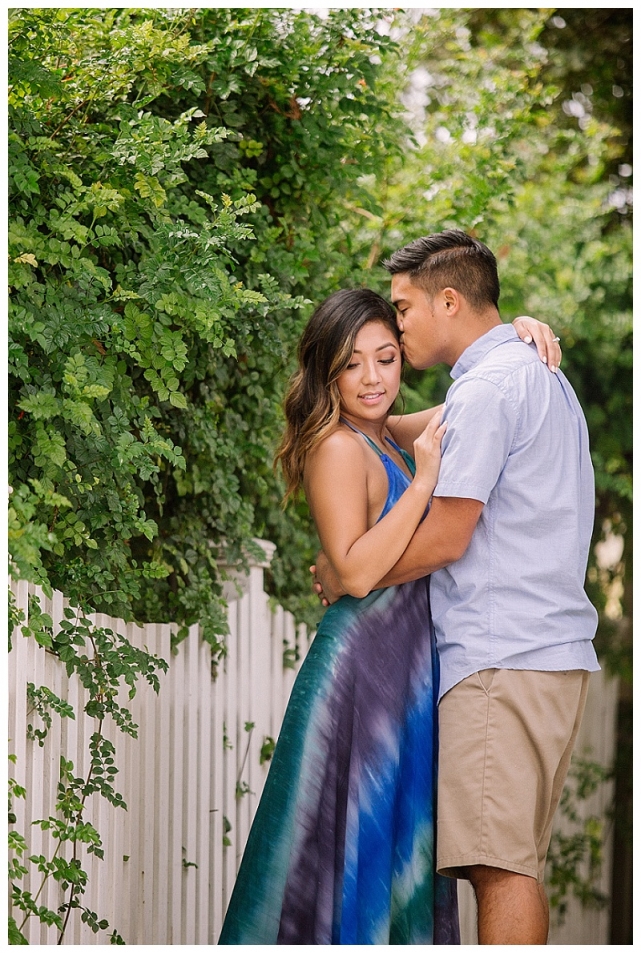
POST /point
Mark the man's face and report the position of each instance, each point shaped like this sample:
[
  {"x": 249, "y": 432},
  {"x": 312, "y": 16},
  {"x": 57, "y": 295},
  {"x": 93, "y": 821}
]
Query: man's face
[{"x": 422, "y": 327}]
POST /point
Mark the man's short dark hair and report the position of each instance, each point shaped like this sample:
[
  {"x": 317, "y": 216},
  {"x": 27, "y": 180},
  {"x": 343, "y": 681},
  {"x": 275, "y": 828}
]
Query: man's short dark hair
[{"x": 450, "y": 259}]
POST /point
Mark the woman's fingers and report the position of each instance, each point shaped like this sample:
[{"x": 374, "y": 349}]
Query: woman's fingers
[{"x": 546, "y": 341}]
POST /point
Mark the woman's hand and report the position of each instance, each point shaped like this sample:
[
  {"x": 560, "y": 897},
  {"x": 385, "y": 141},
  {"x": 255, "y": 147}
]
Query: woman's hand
[
  {"x": 547, "y": 344},
  {"x": 427, "y": 452},
  {"x": 326, "y": 585}
]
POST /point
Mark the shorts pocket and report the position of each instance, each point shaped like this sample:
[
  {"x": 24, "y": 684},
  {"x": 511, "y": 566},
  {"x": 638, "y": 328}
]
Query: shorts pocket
[{"x": 486, "y": 677}]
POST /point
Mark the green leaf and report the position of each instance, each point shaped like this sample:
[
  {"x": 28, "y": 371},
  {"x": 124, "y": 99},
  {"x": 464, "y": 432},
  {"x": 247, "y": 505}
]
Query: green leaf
[
  {"x": 16, "y": 938},
  {"x": 41, "y": 406},
  {"x": 150, "y": 187},
  {"x": 178, "y": 400}
]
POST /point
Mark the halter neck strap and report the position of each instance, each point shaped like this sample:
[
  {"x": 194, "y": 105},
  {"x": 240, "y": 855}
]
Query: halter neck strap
[
  {"x": 369, "y": 440},
  {"x": 409, "y": 461}
]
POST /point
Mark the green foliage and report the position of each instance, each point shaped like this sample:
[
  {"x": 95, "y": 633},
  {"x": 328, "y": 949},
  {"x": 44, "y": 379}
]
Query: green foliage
[
  {"x": 576, "y": 854},
  {"x": 174, "y": 181},
  {"x": 42, "y": 700},
  {"x": 242, "y": 787},
  {"x": 591, "y": 59},
  {"x": 16, "y": 938},
  {"x": 227, "y": 828},
  {"x": 267, "y": 749}
]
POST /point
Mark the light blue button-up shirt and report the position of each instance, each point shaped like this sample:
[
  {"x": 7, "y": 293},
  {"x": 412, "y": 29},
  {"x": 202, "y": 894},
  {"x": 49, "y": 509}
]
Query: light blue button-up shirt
[{"x": 516, "y": 440}]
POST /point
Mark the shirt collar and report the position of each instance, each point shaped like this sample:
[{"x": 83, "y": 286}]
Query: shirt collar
[{"x": 472, "y": 355}]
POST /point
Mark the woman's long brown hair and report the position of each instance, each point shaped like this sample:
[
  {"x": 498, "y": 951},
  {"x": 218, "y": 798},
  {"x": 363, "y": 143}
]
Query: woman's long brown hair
[{"x": 312, "y": 402}]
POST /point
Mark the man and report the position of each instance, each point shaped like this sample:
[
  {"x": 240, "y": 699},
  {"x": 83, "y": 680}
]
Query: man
[{"x": 506, "y": 541}]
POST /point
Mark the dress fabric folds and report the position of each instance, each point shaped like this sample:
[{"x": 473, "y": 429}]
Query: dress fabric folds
[{"x": 341, "y": 850}]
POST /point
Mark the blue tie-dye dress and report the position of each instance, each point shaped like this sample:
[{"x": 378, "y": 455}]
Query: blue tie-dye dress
[{"x": 341, "y": 850}]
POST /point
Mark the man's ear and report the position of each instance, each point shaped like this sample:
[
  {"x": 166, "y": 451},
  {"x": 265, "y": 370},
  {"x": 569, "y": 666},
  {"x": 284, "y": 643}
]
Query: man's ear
[{"x": 450, "y": 301}]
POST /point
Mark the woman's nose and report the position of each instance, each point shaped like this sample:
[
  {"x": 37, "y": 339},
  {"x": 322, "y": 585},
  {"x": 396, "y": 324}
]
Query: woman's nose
[{"x": 370, "y": 372}]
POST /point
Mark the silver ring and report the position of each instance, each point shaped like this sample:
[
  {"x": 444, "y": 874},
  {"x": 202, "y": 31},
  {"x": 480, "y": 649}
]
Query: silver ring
[{"x": 555, "y": 339}]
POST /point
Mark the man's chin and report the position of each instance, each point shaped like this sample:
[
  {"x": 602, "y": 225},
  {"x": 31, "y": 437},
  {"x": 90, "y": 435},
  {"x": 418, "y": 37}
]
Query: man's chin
[{"x": 416, "y": 363}]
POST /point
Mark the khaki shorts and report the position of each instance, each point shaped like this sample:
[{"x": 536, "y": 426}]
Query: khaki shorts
[{"x": 505, "y": 743}]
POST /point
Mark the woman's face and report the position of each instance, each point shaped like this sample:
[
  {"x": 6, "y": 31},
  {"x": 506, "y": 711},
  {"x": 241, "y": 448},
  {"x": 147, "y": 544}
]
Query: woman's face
[{"x": 370, "y": 383}]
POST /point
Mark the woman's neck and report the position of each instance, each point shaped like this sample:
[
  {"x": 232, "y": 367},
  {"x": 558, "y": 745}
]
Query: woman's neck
[{"x": 375, "y": 429}]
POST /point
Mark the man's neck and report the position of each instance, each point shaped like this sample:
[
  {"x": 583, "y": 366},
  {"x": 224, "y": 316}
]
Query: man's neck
[{"x": 475, "y": 325}]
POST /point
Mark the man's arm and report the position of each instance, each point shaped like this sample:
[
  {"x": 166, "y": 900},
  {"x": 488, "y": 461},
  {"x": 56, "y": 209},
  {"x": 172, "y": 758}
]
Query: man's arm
[{"x": 441, "y": 539}]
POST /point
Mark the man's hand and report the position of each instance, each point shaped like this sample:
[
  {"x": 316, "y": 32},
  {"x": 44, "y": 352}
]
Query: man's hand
[{"x": 326, "y": 585}]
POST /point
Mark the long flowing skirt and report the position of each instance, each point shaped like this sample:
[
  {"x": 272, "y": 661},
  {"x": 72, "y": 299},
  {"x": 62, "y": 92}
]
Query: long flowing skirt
[{"x": 341, "y": 850}]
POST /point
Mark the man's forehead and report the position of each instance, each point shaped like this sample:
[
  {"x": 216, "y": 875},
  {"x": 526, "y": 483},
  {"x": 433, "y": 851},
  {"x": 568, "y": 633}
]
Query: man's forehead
[{"x": 402, "y": 287}]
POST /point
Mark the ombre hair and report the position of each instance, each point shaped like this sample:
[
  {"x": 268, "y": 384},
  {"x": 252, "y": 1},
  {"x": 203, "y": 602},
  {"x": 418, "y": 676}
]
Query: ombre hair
[{"x": 312, "y": 402}]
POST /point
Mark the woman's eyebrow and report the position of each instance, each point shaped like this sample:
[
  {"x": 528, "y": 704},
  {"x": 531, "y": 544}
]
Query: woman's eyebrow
[{"x": 381, "y": 348}]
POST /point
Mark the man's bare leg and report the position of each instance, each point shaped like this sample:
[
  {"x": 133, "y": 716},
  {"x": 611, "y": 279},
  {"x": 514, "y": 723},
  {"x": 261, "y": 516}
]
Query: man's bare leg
[{"x": 512, "y": 908}]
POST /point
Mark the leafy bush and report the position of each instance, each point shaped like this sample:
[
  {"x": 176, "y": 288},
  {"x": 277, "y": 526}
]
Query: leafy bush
[{"x": 174, "y": 181}]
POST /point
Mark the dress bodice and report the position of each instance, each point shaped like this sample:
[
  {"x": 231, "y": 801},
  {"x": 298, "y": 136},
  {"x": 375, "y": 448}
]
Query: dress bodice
[{"x": 397, "y": 480}]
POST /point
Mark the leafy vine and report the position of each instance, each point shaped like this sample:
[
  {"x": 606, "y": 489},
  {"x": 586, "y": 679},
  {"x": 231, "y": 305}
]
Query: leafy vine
[{"x": 103, "y": 661}]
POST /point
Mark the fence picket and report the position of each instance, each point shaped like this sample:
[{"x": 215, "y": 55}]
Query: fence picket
[
  {"x": 243, "y": 692},
  {"x": 111, "y": 827},
  {"x": 163, "y": 782},
  {"x": 175, "y": 865},
  {"x": 276, "y": 649},
  {"x": 190, "y": 816},
  {"x": 216, "y": 880},
  {"x": 230, "y": 748},
  {"x": 37, "y": 779},
  {"x": 204, "y": 788}
]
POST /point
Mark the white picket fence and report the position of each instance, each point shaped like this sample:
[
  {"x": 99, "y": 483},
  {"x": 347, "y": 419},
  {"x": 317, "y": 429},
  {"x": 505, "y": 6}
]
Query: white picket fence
[{"x": 171, "y": 858}]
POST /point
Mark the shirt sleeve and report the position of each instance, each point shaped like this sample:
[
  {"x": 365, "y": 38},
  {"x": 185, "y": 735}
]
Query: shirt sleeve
[{"x": 481, "y": 426}]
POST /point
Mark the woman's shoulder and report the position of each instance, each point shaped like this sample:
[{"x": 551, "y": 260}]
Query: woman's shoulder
[{"x": 340, "y": 450}]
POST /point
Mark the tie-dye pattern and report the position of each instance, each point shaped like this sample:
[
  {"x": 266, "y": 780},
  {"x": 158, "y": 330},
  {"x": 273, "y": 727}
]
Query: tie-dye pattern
[{"x": 341, "y": 850}]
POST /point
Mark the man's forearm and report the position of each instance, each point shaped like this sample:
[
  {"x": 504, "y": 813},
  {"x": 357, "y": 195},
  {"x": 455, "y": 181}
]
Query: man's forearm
[
  {"x": 422, "y": 557},
  {"x": 441, "y": 539}
]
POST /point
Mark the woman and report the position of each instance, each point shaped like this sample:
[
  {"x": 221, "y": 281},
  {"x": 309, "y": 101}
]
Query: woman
[{"x": 342, "y": 846}]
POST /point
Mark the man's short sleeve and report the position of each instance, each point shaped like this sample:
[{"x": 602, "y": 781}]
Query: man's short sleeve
[{"x": 481, "y": 425}]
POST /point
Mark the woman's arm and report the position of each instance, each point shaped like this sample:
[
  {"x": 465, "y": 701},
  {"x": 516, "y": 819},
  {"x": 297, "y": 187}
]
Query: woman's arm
[{"x": 337, "y": 492}]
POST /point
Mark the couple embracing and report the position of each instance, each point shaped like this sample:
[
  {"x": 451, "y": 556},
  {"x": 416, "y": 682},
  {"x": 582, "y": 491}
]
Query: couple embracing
[{"x": 430, "y": 728}]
